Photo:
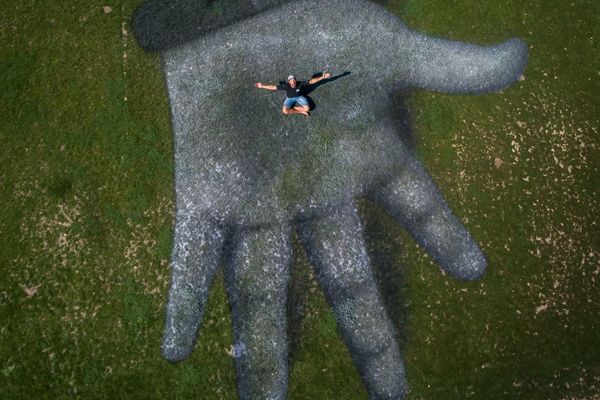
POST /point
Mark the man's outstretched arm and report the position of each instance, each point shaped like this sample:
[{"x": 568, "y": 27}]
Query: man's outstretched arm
[
  {"x": 268, "y": 87},
  {"x": 318, "y": 79}
]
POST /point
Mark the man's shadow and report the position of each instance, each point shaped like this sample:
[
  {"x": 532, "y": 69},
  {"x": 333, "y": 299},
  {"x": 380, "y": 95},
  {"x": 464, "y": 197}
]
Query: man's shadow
[{"x": 311, "y": 88}]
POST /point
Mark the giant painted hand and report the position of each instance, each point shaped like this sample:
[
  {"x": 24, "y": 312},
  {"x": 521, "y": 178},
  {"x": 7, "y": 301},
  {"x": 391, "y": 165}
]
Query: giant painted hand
[{"x": 246, "y": 174}]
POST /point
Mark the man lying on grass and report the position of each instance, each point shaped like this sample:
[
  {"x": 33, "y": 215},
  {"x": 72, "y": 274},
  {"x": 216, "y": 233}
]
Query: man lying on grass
[{"x": 294, "y": 102}]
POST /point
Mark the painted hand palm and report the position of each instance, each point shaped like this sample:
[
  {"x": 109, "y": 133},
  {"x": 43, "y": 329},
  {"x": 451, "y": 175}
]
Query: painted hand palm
[{"x": 246, "y": 174}]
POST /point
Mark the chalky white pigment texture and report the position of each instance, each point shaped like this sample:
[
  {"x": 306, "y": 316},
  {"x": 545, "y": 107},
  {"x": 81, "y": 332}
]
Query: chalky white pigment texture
[{"x": 246, "y": 174}]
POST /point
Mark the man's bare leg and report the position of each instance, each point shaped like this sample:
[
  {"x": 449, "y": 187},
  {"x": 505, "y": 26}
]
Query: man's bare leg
[
  {"x": 296, "y": 110},
  {"x": 302, "y": 108}
]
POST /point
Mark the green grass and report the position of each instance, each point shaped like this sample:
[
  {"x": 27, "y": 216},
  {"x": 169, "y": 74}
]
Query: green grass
[{"x": 87, "y": 206}]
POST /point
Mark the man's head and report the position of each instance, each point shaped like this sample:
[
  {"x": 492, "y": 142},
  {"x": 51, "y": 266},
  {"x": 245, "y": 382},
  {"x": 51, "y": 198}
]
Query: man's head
[{"x": 291, "y": 80}]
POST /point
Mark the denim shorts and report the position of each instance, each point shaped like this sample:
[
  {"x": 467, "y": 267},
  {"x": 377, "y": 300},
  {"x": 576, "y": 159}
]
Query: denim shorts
[{"x": 290, "y": 101}]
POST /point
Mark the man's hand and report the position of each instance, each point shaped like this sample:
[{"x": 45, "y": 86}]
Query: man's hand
[
  {"x": 326, "y": 75},
  {"x": 258, "y": 85}
]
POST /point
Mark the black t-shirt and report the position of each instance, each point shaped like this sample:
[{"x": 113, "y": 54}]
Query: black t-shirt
[{"x": 293, "y": 92}]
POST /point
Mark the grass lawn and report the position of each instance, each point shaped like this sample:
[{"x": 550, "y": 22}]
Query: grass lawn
[{"x": 86, "y": 194}]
